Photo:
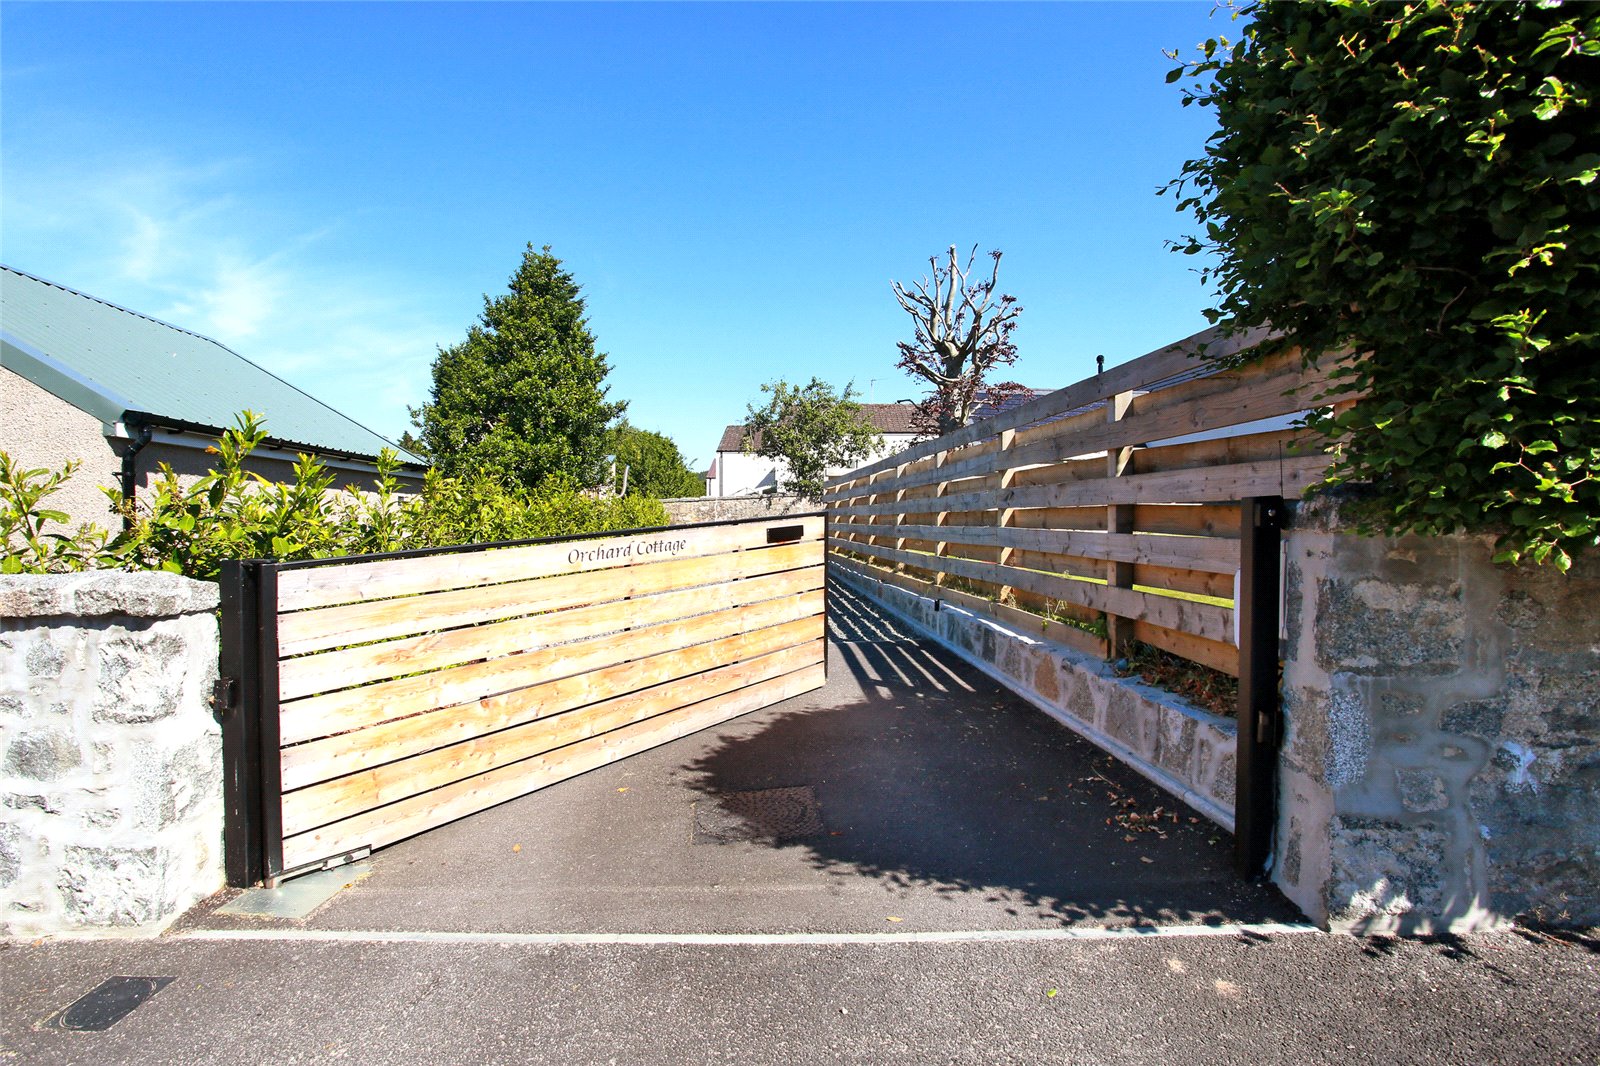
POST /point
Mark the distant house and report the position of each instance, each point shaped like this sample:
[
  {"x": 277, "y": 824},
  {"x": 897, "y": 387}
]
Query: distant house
[
  {"x": 736, "y": 472},
  {"x": 122, "y": 392}
]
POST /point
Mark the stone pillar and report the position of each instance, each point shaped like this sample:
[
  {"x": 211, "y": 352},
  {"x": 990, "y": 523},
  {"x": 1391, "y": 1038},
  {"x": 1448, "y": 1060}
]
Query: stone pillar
[
  {"x": 1441, "y": 770},
  {"x": 110, "y": 759}
]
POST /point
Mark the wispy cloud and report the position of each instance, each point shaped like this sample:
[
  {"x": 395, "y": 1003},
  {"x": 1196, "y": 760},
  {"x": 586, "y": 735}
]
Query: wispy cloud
[{"x": 189, "y": 244}]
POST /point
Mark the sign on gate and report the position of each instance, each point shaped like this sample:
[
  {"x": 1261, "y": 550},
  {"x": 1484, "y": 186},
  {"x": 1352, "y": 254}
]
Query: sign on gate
[{"x": 368, "y": 699}]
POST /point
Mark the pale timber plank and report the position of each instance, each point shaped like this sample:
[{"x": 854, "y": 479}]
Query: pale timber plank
[
  {"x": 300, "y": 632},
  {"x": 1134, "y": 374},
  {"x": 317, "y": 760},
  {"x": 353, "y": 793},
  {"x": 1202, "y": 619},
  {"x": 321, "y": 586},
  {"x": 348, "y": 667},
  {"x": 1285, "y": 477},
  {"x": 411, "y": 816},
  {"x": 335, "y": 712}
]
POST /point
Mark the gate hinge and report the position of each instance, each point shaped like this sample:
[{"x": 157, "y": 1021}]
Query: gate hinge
[{"x": 224, "y": 697}]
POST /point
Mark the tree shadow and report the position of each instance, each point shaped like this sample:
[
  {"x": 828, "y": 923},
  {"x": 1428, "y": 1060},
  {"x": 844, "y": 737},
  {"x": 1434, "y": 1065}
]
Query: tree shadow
[{"x": 930, "y": 778}]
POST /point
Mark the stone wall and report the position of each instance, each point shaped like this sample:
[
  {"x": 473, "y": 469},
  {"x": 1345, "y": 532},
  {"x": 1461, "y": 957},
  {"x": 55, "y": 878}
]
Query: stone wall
[
  {"x": 1180, "y": 747},
  {"x": 692, "y": 509},
  {"x": 110, "y": 760},
  {"x": 1441, "y": 769}
]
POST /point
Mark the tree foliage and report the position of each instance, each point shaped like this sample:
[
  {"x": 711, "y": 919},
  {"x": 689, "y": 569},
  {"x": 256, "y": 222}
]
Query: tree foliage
[
  {"x": 654, "y": 464},
  {"x": 1418, "y": 182},
  {"x": 962, "y": 331},
  {"x": 523, "y": 397},
  {"x": 812, "y": 429}
]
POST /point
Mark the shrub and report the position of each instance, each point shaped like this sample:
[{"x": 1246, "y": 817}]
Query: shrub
[
  {"x": 1418, "y": 182},
  {"x": 233, "y": 513}
]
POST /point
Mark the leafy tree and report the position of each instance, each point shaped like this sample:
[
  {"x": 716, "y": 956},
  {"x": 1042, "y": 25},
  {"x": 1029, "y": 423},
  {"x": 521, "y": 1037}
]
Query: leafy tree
[
  {"x": 812, "y": 429},
  {"x": 962, "y": 332},
  {"x": 523, "y": 396},
  {"x": 1418, "y": 182},
  {"x": 655, "y": 466}
]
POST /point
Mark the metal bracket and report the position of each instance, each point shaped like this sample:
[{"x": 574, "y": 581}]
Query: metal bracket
[{"x": 224, "y": 697}]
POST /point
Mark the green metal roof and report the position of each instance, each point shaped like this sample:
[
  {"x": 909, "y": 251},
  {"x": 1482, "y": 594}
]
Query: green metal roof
[{"x": 121, "y": 366}]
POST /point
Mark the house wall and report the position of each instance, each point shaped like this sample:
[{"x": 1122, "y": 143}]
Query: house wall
[{"x": 41, "y": 430}]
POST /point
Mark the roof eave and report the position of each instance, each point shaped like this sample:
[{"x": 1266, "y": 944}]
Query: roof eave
[{"x": 60, "y": 380}]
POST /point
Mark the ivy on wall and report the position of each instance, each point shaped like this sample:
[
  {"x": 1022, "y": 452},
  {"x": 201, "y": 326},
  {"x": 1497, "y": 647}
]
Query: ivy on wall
[{"x": 1418, "y": 182}]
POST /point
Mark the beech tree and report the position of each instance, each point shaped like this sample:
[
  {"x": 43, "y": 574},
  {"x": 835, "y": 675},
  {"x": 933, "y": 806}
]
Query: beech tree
[
  {"x": 962, "y": 332},
  {"x": 811, "y": 428},
  {"x": 523, "y": 397}
]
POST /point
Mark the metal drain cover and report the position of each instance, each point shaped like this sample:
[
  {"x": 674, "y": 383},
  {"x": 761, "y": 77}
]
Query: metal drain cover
[{"x": 763, "y": 815}]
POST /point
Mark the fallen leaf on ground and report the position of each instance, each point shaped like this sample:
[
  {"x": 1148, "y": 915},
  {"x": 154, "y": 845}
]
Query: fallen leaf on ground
[
  {"x": 516, "y": 847},
  {"x": 624, "y": 788},
  {"x": 892, "y": 918},
  {"x": 1052, "y": 992}
]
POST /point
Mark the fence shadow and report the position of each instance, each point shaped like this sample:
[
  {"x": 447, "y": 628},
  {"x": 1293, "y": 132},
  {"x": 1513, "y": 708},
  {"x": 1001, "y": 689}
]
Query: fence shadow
[{"x": 929, "y": 777}]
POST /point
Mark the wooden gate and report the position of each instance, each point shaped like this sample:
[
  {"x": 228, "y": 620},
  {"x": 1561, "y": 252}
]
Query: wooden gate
[{"x": 367, "y": 699}]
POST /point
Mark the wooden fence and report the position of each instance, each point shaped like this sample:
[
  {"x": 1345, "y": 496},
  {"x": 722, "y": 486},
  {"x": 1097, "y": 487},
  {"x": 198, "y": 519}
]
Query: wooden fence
[
  {"x": 397, "y": 694},
  {"x": 1105, "y": 512}
]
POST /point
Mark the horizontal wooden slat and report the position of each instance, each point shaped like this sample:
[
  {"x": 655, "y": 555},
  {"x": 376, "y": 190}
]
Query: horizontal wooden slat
[
  {"x": 1223, "y": 483},
  {"x": 411, "y": 816},
  {"x": 1214, "y": 554},
  {"x": 1024, "y": 621},
  {"x": 327, "y": 757},
  {"x": 315, "y": 716},
  {"x": 352, "y": 793},
  {"x": 1202, "y": 619},
  {"x": 352, "y": 623},
  {"x": 1125, "y": 377},
  {"x": 347, "y": 667},
  {"x": 321, "y": 586},
  {"x": 1217, "y": 654},
  {"x": 1226, "y": 399}
]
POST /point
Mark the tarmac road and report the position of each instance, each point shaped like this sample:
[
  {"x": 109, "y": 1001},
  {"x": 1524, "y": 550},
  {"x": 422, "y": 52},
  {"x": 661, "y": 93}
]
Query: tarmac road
[{"x": 1286, "y": 998}]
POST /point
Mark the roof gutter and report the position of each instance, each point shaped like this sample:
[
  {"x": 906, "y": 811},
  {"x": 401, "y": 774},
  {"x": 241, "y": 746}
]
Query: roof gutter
[{"x": 177, "y": 434}]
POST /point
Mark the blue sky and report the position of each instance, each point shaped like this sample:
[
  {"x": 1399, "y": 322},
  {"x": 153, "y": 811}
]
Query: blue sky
[{"x": 330, "y": 189}]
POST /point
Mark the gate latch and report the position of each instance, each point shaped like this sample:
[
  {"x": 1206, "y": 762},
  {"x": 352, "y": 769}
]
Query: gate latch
[{"x": 224, "y": 697}]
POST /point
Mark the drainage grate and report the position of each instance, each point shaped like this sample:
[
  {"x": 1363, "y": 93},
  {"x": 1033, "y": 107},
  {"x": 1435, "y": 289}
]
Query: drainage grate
[
  {"x": 107, "y": 1003},
  {"x": 764, "y": 815}
]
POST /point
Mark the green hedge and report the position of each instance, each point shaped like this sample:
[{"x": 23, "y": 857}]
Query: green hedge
[
  {"x": 1418, "y": 182},
  {"x": 230, "y": 513}
]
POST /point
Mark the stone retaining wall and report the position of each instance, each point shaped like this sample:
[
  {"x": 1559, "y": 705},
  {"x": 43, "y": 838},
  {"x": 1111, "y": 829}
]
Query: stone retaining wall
[
  {"x": 1441, "y": 770},
  {"x": 1180, "y": 747},
  {"x": 110, "y": 760},
  {"x": 691, "y": 509}
]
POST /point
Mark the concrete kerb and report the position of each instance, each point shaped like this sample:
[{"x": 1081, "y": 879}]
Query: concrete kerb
[{"x": 1116, "y": 703}]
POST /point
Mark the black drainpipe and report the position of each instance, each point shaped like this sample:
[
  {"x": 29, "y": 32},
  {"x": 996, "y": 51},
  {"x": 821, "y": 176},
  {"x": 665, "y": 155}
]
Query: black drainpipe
[{"x": 130, "y": 467}]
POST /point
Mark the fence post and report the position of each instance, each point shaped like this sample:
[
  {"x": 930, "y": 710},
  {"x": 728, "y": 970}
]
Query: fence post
[
  {"x": 1003, "y": 514},
  {"x": 1259, "y": 721},
  {"x": 237, "y": 704},
  {"x": 1119, "y": 519},
  {"x": 940, "y": 518}
]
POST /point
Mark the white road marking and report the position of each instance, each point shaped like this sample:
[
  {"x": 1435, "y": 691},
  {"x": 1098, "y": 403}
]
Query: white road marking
[{"x": 961, "y": 936}]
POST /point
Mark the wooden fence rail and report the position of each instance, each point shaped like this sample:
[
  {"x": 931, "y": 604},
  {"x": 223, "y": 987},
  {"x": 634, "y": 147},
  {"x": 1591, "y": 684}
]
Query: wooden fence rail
[{"x": 1105, "y": 512}]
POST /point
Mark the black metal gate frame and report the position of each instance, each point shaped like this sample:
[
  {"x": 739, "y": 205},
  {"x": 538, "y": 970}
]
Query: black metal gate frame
[{"x": 246, "y": 693}]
